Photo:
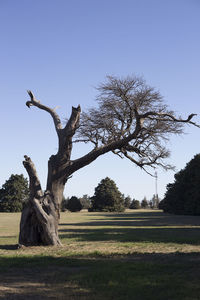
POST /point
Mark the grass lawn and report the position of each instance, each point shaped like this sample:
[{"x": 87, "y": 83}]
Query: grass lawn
[{"x": 140, "y": 254}]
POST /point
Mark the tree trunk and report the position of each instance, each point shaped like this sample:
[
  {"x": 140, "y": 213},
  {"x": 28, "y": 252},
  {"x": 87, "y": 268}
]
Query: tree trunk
[
  {"x": 40, "y": 217},
  {"x": 39, "y": 223}
]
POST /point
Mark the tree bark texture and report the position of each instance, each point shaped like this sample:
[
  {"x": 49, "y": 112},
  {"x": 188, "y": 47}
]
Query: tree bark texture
[{"x": 39, "y": 220}]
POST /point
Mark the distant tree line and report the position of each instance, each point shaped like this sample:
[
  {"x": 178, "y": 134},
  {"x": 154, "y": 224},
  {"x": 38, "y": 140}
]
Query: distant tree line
[
  {"x": 183, "y": 195},
  {"x": 107, "y": 197},
  {"x": 74, "y": 203}
]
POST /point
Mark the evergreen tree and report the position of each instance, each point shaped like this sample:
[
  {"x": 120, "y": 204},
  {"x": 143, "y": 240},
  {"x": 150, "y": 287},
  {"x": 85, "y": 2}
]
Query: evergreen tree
[
  {"x": 14, "y": 194},
  {"x": 183, "y": 196},
  {"x": 150, "y": 204},
  {"x": 74, "y": 204},
  {"x": 107, "y": 197},
  {"x": 144, "y": 203},
  {"x": 135, "y": 204},
  {"x": 127, "y": 201}
]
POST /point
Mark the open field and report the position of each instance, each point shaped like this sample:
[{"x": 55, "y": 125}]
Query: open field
[{"x": 133, "y": 255}]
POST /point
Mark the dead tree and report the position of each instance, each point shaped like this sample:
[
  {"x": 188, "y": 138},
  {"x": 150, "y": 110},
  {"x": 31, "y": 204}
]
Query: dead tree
[{"x": 131, "y": 121}]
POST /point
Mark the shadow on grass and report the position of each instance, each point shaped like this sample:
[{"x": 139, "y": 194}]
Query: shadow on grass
[
  {"x": 163, "y": 235},
  {"x": 138, "y": 219},
  {"x": 9, "y": 247},
  {"x": 136, "y": 227},
  {"x": 142, "y": 276}
]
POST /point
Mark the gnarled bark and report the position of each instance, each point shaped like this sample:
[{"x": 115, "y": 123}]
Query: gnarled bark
[{"x": 39, "y": 220}]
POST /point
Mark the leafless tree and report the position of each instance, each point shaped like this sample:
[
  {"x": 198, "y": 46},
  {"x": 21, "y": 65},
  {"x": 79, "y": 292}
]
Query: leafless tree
[{"x": 131, "y": 120}]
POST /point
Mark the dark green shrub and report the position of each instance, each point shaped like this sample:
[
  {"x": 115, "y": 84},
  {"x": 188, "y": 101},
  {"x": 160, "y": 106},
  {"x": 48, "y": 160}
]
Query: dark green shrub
[
  {"x": 135, "y": 204},
  {"x": 144, "y": 203},
  {"x": 74, "y": 204}
]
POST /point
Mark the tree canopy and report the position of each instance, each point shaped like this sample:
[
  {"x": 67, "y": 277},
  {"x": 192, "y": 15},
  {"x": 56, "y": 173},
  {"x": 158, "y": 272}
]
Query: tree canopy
[
  {"x": 107, "y": 197},
  {"x": 144, "y": 203},
  {"x": 132, "y": 121},
  {"x": 183, "y": 195},
  {"x": 135, "y": 204},
  {"x": 127, "y": 201},
  {"x": 14, "y": 193},
  {"x": 74, "y": 204},
  {"x": 85, "y": 201}
]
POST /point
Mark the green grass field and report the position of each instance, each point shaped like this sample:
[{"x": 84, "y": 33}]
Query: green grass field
[{"x": 132, "y": 255}]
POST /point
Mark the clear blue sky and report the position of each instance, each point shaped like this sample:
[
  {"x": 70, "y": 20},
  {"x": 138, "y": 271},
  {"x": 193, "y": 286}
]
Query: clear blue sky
[{"x": 62, "y": 49}]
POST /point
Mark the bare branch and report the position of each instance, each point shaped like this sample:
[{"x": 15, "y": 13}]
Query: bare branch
[
  {"x": 117, "y": 153},
  {"x": 116, "y": 144},
  {"x": 170, "y": 117},
  {"x": 35, "y": 186},
  {"x": 73, "y": 121},
  {"x": 35, "y": 102},
  {"x": 41, "y": 214}
]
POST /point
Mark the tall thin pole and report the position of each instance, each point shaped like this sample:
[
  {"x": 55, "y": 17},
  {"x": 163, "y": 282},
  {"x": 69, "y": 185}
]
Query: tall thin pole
[{"x": 156, "y": 184}]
